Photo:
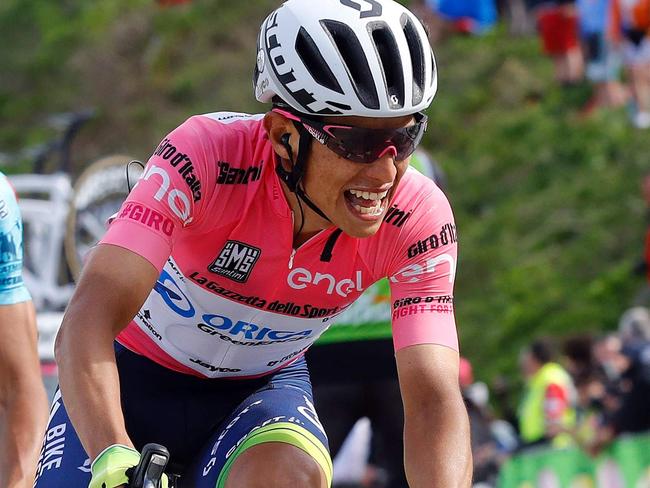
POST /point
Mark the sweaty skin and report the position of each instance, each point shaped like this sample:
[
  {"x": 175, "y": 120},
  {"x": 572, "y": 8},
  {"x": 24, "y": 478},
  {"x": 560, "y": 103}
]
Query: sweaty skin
[
  {"x": 23, "y": 402},
  {"x": 437, "y": 448},
  {"x": 105, "y": 299}
]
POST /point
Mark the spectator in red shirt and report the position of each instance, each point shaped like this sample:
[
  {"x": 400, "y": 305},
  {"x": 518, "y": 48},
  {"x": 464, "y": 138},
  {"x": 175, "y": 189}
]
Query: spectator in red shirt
[{"x": 557, "y": 23}]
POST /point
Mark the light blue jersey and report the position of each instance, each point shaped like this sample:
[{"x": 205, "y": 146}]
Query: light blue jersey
[{"x": 12, "y": 288}]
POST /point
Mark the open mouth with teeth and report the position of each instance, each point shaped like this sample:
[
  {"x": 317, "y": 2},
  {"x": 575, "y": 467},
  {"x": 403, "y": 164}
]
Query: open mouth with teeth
[{"x": 366, "y": 204}]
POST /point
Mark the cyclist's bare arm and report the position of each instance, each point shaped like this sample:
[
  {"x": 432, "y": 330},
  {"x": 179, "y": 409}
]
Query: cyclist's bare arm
[
  {"x": 113, "y": 285},
  {"x": 23, "y": 402},
  {"x": 436, "y": 427}
]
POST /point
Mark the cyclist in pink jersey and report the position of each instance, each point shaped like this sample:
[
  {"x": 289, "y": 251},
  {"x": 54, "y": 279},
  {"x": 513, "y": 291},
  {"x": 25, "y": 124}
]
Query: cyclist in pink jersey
[{"x": 242, "y": 240}]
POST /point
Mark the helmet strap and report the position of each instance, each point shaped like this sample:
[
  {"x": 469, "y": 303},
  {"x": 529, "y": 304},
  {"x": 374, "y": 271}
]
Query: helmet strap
[{"x": 293, "y": 178}]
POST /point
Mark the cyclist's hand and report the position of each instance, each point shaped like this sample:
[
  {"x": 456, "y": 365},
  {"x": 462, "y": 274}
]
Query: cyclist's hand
[{"x": 110, "y": 466}]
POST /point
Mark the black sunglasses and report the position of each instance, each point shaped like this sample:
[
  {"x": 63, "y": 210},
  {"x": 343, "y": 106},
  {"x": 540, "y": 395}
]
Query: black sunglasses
[{"x": 361, "y": 144}]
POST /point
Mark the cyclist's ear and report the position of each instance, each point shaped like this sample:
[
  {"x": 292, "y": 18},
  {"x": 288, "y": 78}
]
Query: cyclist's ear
[
  {"x": 284, "y": 140},
  {"x": 280, "y": 132}
]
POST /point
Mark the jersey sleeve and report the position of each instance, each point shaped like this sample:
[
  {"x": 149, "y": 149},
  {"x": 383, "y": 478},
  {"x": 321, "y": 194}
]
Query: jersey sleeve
[
  {"x": 12, "y": 287},
  {"x": 167, "y": 198},
  {"x": 422, "y": 277}
]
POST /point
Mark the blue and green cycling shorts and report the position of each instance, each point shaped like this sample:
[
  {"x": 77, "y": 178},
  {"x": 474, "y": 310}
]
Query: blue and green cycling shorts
[{"x": 205, "y": 423}]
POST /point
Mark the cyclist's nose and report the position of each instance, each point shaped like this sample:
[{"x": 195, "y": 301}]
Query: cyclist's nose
[
  {"x": 390, "y": 149},
  {"x": 384, "y": 168}
]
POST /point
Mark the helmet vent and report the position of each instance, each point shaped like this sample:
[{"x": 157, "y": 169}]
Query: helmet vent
[
  {"x": 354, "y": 60},
  {"x": 417, "y": 58},
  {"x": 341, "y": 106},
  {"x": 391, "y": 63},
  {"x": 313, "y": 60}
]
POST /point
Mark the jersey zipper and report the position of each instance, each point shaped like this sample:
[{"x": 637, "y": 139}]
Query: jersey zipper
[{"x": 294, "y": 251}]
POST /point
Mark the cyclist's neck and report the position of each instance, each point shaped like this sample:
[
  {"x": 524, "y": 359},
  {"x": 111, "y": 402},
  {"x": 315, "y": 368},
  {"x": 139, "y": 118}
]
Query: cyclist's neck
[
  {"x": 303, "y": 237},
  {"x": 306, "y": 222}
]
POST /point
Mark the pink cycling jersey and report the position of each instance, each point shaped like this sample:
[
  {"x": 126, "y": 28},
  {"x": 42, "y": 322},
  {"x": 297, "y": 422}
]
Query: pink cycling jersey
[{"x": 234, "y": 299}]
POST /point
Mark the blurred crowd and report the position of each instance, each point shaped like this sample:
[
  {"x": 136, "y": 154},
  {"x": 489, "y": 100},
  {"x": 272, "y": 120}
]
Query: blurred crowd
[
  {"x": 605, "y": 42},
  {"x": 582, "y": 392}
]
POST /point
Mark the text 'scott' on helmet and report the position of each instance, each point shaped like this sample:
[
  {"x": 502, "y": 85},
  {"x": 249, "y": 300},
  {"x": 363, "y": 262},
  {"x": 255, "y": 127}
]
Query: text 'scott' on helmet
[{"x": 369, "y": 58}]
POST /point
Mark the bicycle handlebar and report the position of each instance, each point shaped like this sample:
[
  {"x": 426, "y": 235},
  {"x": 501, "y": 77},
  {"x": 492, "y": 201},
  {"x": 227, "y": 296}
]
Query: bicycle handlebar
[
  {"x": 149, "y": 471},
  {"x": 63, "y": 120},
  {"x": 67, "y": 124}
]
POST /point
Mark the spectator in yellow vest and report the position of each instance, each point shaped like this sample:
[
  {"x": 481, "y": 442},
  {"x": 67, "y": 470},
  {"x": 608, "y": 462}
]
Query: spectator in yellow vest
[{"x": 547, "y": 410}]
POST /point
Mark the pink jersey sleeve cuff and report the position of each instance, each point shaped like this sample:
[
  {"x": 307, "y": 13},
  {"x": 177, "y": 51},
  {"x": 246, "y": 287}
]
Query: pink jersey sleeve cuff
[
  {"x": 423, "y": 331},
  {"x": 152, "y": 246}
]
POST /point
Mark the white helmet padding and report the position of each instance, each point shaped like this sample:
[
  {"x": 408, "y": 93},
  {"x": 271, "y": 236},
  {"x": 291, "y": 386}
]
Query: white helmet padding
[{"x": 368, "y": 58}]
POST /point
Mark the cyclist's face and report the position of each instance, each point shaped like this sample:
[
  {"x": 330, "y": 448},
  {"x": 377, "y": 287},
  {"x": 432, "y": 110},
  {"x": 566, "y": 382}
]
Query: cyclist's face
[{"x": 355, "y": 196}]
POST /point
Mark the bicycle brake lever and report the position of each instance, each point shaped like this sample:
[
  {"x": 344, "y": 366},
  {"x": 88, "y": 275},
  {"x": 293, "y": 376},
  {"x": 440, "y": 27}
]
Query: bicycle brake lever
[{"x": 149, "y": 471}]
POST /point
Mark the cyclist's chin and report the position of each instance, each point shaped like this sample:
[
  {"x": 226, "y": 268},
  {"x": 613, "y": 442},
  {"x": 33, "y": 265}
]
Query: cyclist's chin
[
  {"x": 359, "y": 226},
  {"x": 361, "y": 232}
]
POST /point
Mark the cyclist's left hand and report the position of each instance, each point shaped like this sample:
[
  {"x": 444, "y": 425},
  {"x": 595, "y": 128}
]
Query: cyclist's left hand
[{"x": 110, "y": 466}]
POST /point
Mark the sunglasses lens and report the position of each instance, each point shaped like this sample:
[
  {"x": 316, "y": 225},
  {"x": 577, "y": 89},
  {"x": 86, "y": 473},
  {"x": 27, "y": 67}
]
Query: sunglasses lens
[
  {"x": 358, "y": 144},
  {"x": 407, "y": 143},
  {"x": 367, "y": 145},
  {"x": 362, "y": 145}
]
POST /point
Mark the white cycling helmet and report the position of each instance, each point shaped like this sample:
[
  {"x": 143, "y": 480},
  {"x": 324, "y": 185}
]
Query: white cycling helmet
[{"x": 369, "y": 58}]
